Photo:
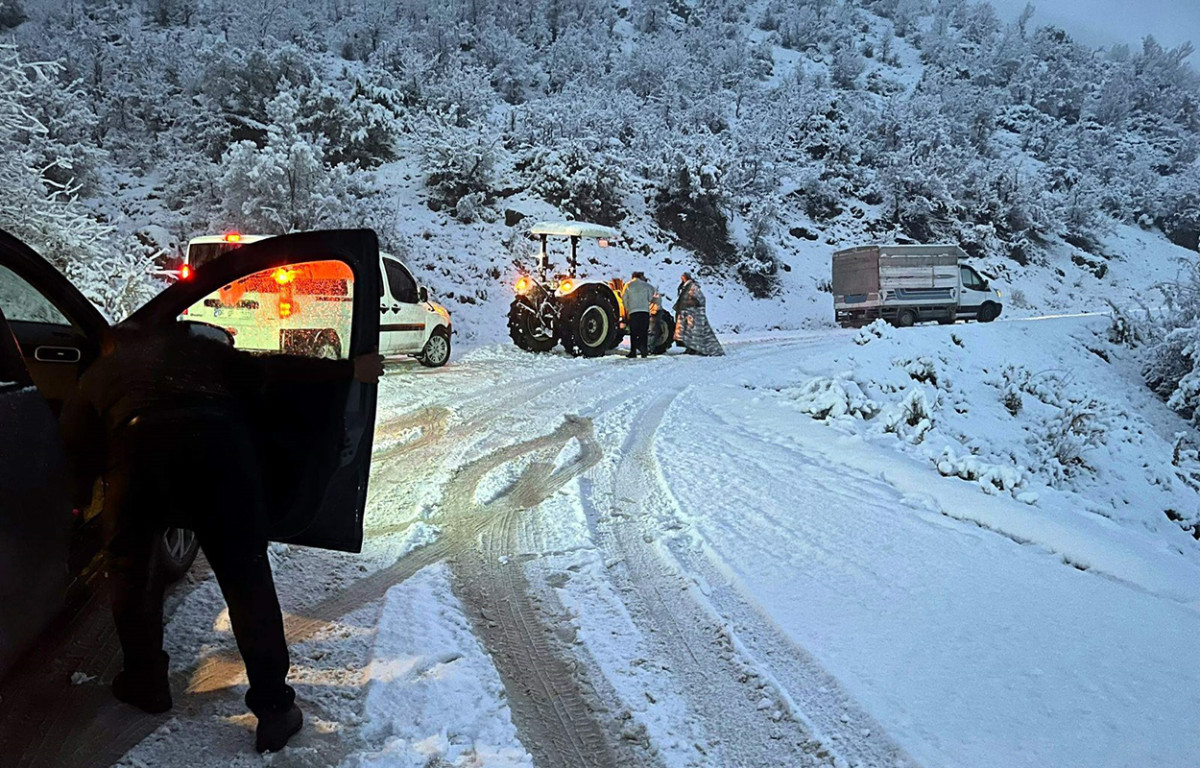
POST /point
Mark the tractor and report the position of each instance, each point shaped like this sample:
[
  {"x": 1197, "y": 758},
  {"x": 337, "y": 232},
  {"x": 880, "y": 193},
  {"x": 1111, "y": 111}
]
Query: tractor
[{"x": 588, "y": 318}]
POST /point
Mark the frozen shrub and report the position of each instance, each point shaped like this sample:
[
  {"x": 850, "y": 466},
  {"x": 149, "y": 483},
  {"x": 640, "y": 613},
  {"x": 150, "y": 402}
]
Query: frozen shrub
[
  {"x": 458, "y": 162},
  {"x": 1068, "y": 437},
  {"x": 690, "y": 204},
  {"x": 922, "y": 369},
  {"x": 580, "y": 182},
  {"x": 1126, "y": 330},
  {"x": 992, "y": 478},
  {"x": 877, "y": 329},
  {"x": 826, "y": 398},
  {"x": 911, "y": 418}
]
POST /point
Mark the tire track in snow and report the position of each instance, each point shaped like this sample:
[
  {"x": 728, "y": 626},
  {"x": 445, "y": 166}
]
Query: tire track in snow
[{"x": 742, "y": 716}]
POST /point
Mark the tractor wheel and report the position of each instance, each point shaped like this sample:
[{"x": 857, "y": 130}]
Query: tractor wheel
[
  {"x": 528, "y": 331},
  {"x": 589, "y": 323},
  {"x": 662, "y": 332}
]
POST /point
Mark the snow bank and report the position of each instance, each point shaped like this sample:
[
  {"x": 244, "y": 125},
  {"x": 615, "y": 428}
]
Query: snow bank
[{"x": 433, "y": 696}]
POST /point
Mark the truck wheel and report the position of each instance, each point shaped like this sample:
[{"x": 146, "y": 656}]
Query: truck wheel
[
  {"x": 589, "y": 323},
  {"x": 906, "y": 318},
  {"x": 437, "y": 349},
  {"x": 988, "y": 313},
  {"x": 178, "y": 550},
  {"x": 662, "y": 332},
  {"x": 527, "y": 330}
]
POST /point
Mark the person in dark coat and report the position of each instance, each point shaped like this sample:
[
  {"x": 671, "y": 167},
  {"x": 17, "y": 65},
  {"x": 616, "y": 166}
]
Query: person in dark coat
[
  {"x": 692, "y": 330},
  {"x": 637, "y": 295},
  {"x": 154, "y": 402}
]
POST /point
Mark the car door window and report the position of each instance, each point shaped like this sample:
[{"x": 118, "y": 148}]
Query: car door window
[
  {"x": 404, "y": 288},
  {"x": 304, "y": 309},
  {"x": 24, "y": 303}
]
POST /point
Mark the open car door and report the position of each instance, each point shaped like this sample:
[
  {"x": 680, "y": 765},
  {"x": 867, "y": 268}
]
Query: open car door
[
  {"x": 314, "y": 437},
  {"x": 35, "y": 513}
]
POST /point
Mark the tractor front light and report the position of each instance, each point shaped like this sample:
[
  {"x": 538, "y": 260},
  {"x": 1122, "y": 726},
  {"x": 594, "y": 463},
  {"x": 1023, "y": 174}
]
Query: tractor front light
[
  {"x": 565, "y": 287},
  {"x": 523, "y": 285}
]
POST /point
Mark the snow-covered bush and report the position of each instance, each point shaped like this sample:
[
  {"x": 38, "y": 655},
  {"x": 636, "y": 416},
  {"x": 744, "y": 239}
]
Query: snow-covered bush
[
  {"x": 286, "y": 185},
  {"x": 1172, "y": 369},
  {"x": 992, "y": 478},
  {"x": 579, "y": 181},
  {"x": 112, "y": 271},
  {"x": 690, "y": 204},
  {"x": 876, "y": 329},
  {"x": 824, "y": 398},
  {"x": 912, "y": 417},
  {"x": 1065, "y": 440},
  {"x": 458, "y": 162}
]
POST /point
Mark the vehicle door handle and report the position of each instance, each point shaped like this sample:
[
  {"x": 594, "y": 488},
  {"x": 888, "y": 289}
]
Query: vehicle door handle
[{"x": 50, "y": 354}]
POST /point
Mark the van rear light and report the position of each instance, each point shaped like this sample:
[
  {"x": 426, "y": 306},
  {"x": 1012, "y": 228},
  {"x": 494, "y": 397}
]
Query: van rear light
[
  {"x": 233, "y": 237},
  {"x": 185, "y": 272},
  {"x": 286, "y": 309}
]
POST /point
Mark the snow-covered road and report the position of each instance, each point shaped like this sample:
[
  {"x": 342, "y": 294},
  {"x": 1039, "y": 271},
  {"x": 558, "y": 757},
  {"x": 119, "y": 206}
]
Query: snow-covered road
[{"x": 665, "y": 562}]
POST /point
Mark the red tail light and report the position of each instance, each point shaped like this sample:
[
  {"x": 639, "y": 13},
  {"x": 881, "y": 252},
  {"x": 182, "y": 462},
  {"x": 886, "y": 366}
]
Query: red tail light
[
  {"x": 185, "y": 272},
  {"x": 233, "y": 237}
]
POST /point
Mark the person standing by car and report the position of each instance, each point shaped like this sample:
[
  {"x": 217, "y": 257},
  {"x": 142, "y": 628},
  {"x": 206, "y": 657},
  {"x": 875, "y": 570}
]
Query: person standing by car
[
  {"x": 152, "y": 399},
  {"x": 692, "y": 330},
  {"x": 636, "y": 296}
]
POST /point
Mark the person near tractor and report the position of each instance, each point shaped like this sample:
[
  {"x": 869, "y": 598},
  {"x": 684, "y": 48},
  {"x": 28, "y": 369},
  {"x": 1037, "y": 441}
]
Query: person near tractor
[
  {"x": 153, "y": 397},
  {"x": 636, "y": 296},
  {"x": 692, "y": 330}
]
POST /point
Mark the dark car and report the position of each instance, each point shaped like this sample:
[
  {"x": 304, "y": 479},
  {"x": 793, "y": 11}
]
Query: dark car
[{"x": 316, "y": 436}]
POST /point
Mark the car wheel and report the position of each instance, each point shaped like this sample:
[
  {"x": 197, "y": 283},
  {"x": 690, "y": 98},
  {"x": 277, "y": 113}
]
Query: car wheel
[
  {"x": 906, "y": 319},
  {"x": 528, "y": 331},
  {"x": 437, "y": 349},
  {"x": 987, "y": 313},
  {"x": 178, "y": 550}
]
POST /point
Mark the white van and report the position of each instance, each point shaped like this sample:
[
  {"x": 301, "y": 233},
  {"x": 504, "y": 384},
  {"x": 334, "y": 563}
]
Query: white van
[
  {"x": 907, "y": 284},
  {"x": 304, "y": 303}
]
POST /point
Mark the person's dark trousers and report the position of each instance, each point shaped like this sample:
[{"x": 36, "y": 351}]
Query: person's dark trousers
[
  {"x": 639, "y": 333},
  {"x": 197, "y": 470}
]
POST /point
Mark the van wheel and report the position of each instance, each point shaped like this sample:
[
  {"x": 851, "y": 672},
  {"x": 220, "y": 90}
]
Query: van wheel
[
  {"x": 906, "y": 318},
  {"x": 437, "y": 349},
  {"x": 987, "y": 313},
  {"x": 178, "y": 550}
]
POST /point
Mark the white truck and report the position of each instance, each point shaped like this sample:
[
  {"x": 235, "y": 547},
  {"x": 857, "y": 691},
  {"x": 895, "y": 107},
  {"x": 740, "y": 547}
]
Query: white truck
[
  {"x": 907, "y": 284},
  {"x": 304, "y": 305}
]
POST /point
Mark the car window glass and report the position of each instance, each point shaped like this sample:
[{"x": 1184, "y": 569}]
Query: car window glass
[
  {"x": 404, "y": 288},
  {"x": 302, "y": 309},
  {"x": 971, "y": 280},
  {"x": 21, "y": 301}
]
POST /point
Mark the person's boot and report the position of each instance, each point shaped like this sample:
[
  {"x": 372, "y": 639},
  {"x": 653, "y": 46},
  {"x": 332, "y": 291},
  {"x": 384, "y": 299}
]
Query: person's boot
[
  {"x": 631, "y": 354},
  {"x": 145, "y": 685},
  {"x": 275, "y": 727}
]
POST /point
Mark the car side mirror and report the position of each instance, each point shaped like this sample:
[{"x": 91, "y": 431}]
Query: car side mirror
[{"x": 423, "y": 292}]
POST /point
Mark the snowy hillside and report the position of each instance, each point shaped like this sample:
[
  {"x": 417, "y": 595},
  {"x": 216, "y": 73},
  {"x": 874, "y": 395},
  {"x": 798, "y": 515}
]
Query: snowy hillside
[{"x": 748, "y": 139}]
